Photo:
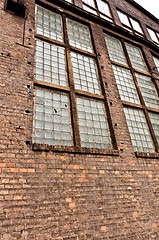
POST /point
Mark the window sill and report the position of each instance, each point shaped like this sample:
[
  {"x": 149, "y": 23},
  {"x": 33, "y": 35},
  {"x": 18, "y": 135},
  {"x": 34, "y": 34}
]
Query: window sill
[
  {"x": 70, "y": 149},
  {"x": 147, "y": 155}
]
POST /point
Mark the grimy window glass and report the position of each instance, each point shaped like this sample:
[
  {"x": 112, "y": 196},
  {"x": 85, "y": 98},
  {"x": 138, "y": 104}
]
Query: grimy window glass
[
  {"x": 130, "y": 23},
  {"x": 69, "y": 105},
  {"x": 154, "y": 35},
  {"x": 156, "y": 60},
  {"x": 98, "y": 7},
  {"x": 137, "y": 92}
]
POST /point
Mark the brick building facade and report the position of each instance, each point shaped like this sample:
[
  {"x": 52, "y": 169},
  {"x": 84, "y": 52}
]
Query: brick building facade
[{"x": 79, "y": 122}]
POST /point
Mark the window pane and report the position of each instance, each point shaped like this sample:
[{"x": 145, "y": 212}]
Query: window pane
[
  {"x": 155, "y": 123},
  {"x": 153, "y": 35},
  {"x": 115, "y": 50},
  {"x": 49, "y": 24},
  {"x": 136, "y": 57},
  {"x": 70, "y": 1},
  {"x": 88, "y": 9},
  {"x": 156, "y": 60},
  {"x": 139, "y": 132},
  {"x": 85, "y": 73},
  {"x": 52, "y": 119},
  {"x": 93, "y": 124},
  {"x": 136, "y": 26},
  {"x": 124, "y": 19},
  {"x": 103, "y": 7},
  {"x": 126, "y": 85},
  {"x": 148, "y": 90},
  {"x": 50, "y": 63},
  {"x": 79, "y": 35},
  {"x": 89, "y": 2}
]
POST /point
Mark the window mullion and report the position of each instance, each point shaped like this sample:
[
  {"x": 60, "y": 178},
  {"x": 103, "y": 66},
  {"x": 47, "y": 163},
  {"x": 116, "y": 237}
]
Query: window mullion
[{"x": 74, "y": 115}]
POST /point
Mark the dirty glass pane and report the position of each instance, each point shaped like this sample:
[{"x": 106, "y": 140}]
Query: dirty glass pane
[
  {"x": 85, "y": 73},
  {"x": 90, "y": 3},
  {"x": 136, "y": 57},
  {"x": 136, "y": 26},
  {"x": 93, "y": 124},
  {"x": 52, "y": 119},
  {"x": 154, "y": 117},
  {"x": 153, "y": 35},
  {"x": 124, "y": 19},
  {"x": 148, "y": 91},
  {"x": 49, "y": 24},
  {"x": 125, "y": 84},
  {"x": 70, "y": 1},
  {"x": 88, "y": 9},
  {"x": 104, "y": 7},
  {"x": 156, "y": 60},
  {"x": 115, "y": 49},
  {"x": 79, "y": 35},
  {"x": 139, "y": 132},
  {"x": 50, "y": 63}
]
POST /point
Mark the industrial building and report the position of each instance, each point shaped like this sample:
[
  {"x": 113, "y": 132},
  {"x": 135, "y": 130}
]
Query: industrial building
[{"x": 79, "y": 103}]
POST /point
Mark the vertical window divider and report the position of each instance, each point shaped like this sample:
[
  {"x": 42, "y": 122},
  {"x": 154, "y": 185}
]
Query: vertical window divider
[{"x": 74, "y": 114}]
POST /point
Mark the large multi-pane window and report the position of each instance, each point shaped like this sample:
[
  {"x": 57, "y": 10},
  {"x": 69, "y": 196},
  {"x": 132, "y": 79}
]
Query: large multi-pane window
[
  {"x": 130, "y": 24},
  {"x": 154, "y": 35},
  {"x": 137, "y": 92},
  {"x": 98, "y": 7},
  {"x": 69, "y": 105}
]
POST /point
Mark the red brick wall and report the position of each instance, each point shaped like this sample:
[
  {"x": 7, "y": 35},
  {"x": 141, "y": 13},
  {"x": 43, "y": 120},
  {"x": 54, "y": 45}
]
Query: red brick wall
[{"x": 51, "y": 195}]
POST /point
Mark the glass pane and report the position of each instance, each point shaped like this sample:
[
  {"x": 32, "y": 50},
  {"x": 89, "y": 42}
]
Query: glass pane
[
  {"x": 79, "y": 35},
  {"x": 104, "y": 7},
  {"x": 88, "y": 9},
  {"x": 136, "y": 26},
  {"x": 124, "y": 19},
  {"x": 90, "y": 3},
  {"x": 126, "y": 85},
  {"x": 52, "y": 119},
  {"x": 136, "y": 57},
  {"x": 139, "y": 132},
  {"x": 105, "y": 17},
  {"x": 156, "y": 60},
  {"x": 148, "y": 90},
  {"x": 153, "y": 35},
  {"x": 115, "y": 49},
  {"x": 50, "y": 63},
  {"x": 85, "y": 73},
  {"x": 155, "y": 123},
  {"x": 49, "y": 24},
  {"x": 93, "y": 124}
]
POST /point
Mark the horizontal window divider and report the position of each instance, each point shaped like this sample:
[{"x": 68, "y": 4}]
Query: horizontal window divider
[
  {"x": 49, "y": 40},
  {"x": 89, "y": 95},
  {"x": 155, "y": 110},
  {"x": 120, "y": 65},
  {"x": 147, "y": 155},
  {"x": 143, "y": 73},
  {"x": 51, "y": 86},
  {"x": 88, "y": 54},
  {"x": 73, "y": 149},
  {"x": 129, "y": 104}
]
